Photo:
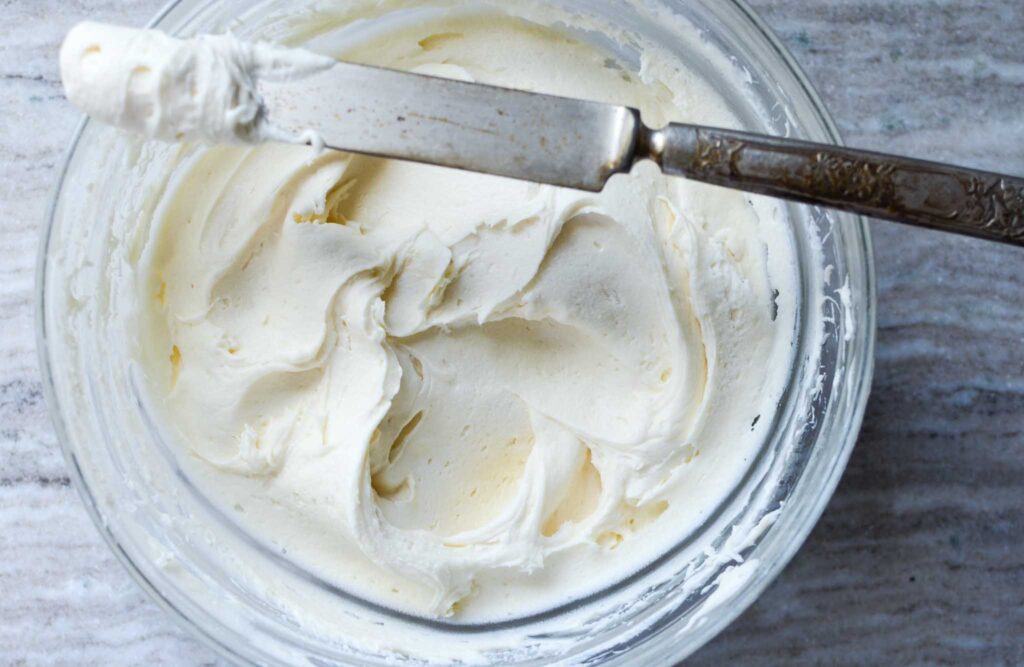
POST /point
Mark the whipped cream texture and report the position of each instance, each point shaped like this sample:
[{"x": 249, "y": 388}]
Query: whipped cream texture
[{"x": 450, "y": 393}]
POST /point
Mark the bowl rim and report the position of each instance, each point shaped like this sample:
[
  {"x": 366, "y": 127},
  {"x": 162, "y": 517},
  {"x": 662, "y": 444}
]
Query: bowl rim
[
  {"x": 864, "y": 374},
  {"x": 859, "y": 231}
]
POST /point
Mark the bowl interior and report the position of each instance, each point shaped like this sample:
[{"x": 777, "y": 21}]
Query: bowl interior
[{"x": 255, "y": 604}]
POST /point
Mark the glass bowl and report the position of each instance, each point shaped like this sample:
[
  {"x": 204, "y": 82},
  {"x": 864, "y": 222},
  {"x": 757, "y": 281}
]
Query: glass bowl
[{"x": 254, "y": 605}]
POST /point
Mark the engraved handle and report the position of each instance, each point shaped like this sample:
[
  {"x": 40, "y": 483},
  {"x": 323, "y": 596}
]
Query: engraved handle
[{"x": 926, "y": 194}]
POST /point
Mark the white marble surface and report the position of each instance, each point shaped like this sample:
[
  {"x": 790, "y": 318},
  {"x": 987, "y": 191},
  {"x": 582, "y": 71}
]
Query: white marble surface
[{"x": 918, "y": 558}]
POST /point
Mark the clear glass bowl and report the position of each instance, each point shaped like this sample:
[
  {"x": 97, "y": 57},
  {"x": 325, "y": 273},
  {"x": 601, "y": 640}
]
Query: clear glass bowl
[{"x": 231, "y": 591}]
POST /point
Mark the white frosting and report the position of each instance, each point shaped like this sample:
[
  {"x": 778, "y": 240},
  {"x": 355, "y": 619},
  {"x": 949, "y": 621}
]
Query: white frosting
[
  {"x": 201, "y": 89},
  {"x": 455, "y": 393}
]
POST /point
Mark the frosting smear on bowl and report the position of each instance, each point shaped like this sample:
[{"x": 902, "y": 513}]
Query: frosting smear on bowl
[{"x": 458, "y": 394}]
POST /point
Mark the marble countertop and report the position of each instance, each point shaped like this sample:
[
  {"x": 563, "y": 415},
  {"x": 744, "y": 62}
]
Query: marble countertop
[{"x": 917, "y": 559}]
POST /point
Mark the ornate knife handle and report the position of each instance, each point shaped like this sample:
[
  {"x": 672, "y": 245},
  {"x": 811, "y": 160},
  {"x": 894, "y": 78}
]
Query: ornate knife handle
[{"x": 926, "y": 194}]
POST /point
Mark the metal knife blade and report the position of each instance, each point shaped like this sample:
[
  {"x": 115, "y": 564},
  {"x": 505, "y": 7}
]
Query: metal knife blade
[{"x": 543, "y": 138}]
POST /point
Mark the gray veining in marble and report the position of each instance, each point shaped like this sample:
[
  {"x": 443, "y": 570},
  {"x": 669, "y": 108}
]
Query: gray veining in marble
[{"x": 918, "y": 558}]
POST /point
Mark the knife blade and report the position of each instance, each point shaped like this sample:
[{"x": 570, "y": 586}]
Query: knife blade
[{"x": 394, "y": 114}]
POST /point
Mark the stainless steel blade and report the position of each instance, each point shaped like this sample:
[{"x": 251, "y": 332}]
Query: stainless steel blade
[{"x": 542, "y": 138}]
